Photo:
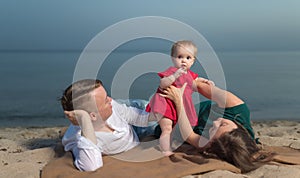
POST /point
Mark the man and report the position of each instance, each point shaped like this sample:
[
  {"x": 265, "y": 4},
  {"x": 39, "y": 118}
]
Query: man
[{"x": 99, "y": 124}]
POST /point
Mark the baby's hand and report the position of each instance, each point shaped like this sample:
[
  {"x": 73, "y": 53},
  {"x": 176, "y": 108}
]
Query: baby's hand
[{"x": 179, "y": 72}]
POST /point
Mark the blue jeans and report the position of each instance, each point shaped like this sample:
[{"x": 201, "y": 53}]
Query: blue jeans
[{"x": 143, "y": 132}]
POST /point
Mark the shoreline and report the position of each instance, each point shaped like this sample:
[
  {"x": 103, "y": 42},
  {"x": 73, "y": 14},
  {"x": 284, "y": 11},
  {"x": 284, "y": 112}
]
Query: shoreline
[{"x": 24, "y": 151}]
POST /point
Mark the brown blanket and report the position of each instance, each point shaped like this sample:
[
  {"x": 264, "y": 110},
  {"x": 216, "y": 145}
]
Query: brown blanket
[{"x": 185, "y": 161}]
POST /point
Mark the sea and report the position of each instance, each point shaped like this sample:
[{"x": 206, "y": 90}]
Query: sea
[{"x": 33, "y": 81}]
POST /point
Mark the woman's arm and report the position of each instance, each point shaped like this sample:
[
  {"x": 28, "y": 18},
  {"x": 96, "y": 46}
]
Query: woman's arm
[
  {"x": 201, "y": 80},
  {"x": 223, "y": 98}
]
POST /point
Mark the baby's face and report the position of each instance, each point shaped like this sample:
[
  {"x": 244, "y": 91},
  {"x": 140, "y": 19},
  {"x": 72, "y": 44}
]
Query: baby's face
[{"x": 183, "y": 58}]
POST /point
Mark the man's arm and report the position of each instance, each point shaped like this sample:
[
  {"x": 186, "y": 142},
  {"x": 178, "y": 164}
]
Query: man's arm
[
  {"x": 82, "y": 118},
  {"x": 132, "y": 115},
  {"x": 87, "y": 156}
]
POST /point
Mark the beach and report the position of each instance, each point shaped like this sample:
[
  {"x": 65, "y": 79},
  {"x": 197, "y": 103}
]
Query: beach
[
  {"x": 42, "y": 53},
  {"x": 25, "y": 151}
]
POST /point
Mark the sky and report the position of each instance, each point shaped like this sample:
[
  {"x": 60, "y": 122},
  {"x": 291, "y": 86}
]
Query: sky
[
  {"x": 229, "y": 25},
  {"x": 49, "y": 29}
]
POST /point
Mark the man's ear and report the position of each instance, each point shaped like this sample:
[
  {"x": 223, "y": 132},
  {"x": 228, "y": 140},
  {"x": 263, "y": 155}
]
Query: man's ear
[{"x": 93, "y": 116}]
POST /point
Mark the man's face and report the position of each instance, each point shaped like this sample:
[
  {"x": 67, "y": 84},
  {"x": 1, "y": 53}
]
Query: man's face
[{"x": 103, "y": 102}]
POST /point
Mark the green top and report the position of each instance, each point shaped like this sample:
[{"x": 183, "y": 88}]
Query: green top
[{"x": 209, "y": 111}]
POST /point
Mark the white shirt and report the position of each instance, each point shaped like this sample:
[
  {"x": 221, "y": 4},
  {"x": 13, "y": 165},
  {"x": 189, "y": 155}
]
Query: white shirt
[{"x": 88, "y": 156}]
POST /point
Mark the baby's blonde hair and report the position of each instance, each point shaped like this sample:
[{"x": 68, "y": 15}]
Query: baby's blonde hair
[{"x": 184, "y": 43}]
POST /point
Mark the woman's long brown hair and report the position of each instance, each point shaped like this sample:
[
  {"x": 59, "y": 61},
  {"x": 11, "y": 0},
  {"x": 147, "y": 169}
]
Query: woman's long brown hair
[{"x": 238, "y": 148}]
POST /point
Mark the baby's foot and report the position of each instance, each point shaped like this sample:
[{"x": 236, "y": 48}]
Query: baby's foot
[{"x": 167, "y": 153}]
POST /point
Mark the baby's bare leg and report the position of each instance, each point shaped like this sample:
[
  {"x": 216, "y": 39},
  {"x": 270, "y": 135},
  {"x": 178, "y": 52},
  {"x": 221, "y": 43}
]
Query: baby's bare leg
[{"x": 165, "y": 137}]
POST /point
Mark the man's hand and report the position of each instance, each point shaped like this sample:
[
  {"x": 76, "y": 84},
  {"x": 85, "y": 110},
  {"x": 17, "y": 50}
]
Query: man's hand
[
  {"x": 74, "y": 115},
  {"x": 83, "y": 119}
]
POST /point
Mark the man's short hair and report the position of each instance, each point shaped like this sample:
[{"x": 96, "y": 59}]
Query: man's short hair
[{"x": 77, "y": 94}]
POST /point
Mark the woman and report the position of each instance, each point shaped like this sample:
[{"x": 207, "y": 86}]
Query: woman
[{"x": 230, "y": 137}]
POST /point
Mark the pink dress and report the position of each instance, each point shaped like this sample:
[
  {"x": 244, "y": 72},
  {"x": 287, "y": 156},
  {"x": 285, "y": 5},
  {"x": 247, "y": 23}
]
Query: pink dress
[{"x": 166, "y": 107}]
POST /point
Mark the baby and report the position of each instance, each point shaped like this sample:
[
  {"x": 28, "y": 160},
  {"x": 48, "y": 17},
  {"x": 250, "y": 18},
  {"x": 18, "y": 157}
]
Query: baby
[{"x": 162, "y": 109}]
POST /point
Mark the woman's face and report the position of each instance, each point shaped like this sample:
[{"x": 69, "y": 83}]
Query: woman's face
[{"x": 221, "y": 126}]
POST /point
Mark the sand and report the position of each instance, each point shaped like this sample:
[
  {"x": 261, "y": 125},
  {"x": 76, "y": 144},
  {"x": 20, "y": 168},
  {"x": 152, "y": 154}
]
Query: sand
[{"x": 25, "y": 151}]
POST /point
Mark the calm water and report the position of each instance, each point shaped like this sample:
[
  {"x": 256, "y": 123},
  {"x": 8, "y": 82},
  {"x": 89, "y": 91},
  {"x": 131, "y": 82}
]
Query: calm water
[{"x": 31, "y": 82}]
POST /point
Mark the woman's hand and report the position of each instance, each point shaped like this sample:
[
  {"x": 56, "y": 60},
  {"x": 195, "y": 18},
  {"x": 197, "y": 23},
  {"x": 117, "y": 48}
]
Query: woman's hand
[
  {"x": 186, "y": 130},
  {"x": 74, "y": 115},
  {"x": 173, "y": 93},
  {"x": 204, "y": 80}
]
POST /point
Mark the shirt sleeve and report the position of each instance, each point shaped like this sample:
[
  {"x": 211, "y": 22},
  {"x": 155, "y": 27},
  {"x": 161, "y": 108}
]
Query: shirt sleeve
[
  {"x": 87, "y": 155},
  {"x": 167, "y": 72},
  {"x": 132, "y": 115},
  {"x": 193, "y": 74}
]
